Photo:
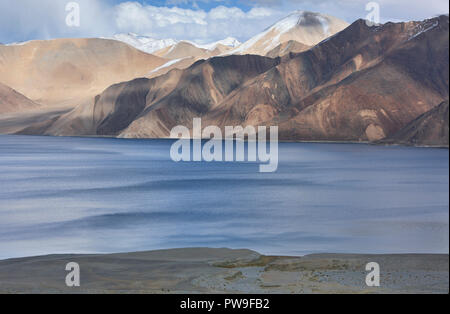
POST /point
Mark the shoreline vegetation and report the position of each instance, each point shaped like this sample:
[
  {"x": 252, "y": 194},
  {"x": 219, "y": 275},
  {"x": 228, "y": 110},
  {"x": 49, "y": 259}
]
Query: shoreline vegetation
[{"x": 207, "y": 270}]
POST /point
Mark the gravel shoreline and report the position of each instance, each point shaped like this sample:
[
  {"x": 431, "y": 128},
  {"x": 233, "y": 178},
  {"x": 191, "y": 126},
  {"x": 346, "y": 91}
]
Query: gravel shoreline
[{"x": 204, "y": 270}]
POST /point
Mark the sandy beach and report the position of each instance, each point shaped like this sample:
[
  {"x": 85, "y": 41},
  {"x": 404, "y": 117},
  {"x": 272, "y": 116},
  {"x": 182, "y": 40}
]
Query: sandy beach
[{"x": 204, "y": 270}]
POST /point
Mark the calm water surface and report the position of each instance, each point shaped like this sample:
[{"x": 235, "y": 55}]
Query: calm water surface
[{"x": 86, "y": 195}]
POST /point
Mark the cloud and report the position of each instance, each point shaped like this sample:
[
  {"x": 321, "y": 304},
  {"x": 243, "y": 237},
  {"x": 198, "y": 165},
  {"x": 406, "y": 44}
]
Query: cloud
[
  {"x": 223, "y": 13},
  {"x": 133, "y": 15},
  {"x": 23, "y": 20},
  {"x": 29, "y": 19},
  {"x": 200, "y": 25}
]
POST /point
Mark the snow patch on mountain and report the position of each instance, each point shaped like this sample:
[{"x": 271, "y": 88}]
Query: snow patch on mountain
[
  {"x": 144, "y": 43},
  {"x": 229, "y": 42},
  {"x": 167, "y": 64},
  {"x": 423, "y": 28}
]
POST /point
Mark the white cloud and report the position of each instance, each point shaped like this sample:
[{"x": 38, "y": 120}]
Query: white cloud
[
  {"x": 223, "y": 13},
  {"x": 133, "y": 15},
  {"x": 200, "y": 25},
  {"x": 260, "y": 12},
  {"x": 46, "y": 19}
]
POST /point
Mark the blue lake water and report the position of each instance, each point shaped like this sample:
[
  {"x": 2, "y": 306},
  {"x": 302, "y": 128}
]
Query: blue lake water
[{"x": 94, "y": 195}]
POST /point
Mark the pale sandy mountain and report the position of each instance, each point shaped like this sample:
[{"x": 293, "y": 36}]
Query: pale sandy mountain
[
  {"x": 307, "y": 28},
  {"x": 286, "y": 48},
  {"x": 12, "y": 101},
  {"x": 220, "y": 49},
  {"x": 67, "y": 71}
]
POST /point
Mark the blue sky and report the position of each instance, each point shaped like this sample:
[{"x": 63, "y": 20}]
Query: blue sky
[{"x": 199, "y": 20}]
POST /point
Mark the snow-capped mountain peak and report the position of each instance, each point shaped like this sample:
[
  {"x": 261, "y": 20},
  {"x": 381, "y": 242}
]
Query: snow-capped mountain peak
[
  {"x": 308, "y": 28},
  {"x": 150, "y": 45},
  {"x": 144, "y": 43}
]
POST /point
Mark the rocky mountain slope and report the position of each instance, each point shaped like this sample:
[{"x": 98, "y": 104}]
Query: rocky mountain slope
[
  {"x": 286, "y": 48},
  {"x": 375, "y": 81},
  {"x": 430, "y": 129},
  {"x": 150, "y": 107}
]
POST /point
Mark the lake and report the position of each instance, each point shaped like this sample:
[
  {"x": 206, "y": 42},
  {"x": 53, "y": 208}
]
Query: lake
[{"x": 101, "y": 195}]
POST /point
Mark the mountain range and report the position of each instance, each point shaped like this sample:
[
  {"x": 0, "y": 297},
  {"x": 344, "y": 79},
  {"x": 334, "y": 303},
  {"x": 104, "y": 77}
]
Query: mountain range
[
  {"x": 151, "y": 45},
  {"x": 313, "y": 75}
]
